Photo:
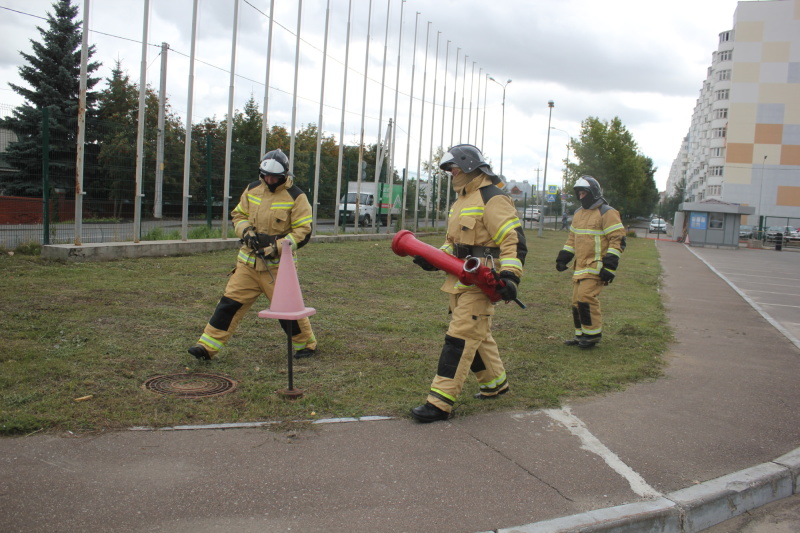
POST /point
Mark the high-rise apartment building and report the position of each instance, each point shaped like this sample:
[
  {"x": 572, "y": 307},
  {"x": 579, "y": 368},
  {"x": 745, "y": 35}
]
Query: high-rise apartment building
[{"x": 743, "y": 146}]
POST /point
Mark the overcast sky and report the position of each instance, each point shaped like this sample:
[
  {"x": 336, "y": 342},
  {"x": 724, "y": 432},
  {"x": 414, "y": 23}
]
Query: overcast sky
[{"x": 644, "y": 62}]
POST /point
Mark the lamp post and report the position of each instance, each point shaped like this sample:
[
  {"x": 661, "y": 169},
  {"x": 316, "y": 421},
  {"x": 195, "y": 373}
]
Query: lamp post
[
  {"x": 503, "y": 123},
  {"x": 761, "y": 218},
  {"x": 550, "y": 104},
  {"x": 564, "y": 177}
]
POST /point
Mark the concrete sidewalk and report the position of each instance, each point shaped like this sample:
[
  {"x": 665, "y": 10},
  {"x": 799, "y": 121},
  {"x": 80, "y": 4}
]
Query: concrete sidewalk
[{"x": 716, "y": 436}]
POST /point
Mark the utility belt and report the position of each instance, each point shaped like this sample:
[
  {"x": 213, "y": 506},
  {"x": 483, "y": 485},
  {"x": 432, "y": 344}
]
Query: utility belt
[{"x": 462, "y": 251}]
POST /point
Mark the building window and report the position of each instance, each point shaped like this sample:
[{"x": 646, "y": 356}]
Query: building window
[
  {"x": 724, "y": 37},
  {"x": 718, "y": 133},
  {"x": 722, "y": 94},
  {"x": 723, "y": 75},
  {"x": 721, "y": 112},
  {"x": 726, "y": 55},
  {"x": 715, "y": 220},
  {"x": 718, "y": 152},
  {"x": 715, "y": 171}
]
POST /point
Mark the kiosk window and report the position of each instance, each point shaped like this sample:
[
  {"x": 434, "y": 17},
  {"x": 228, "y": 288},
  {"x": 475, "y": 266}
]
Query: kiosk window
[{"x": 715, "y": 220}]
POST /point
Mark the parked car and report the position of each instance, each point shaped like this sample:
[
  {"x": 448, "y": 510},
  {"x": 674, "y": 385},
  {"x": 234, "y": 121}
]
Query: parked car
[
  {"x": 745, "y": 231},
  {"x": 532, "y": 213},
  {"x": 787, "y": 232},
  {"x": 657, "y": 225}
]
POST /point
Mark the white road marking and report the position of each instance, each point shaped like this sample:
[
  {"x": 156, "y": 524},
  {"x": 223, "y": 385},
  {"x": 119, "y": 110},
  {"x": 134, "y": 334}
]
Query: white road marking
[{"x": 590, "y": 443}]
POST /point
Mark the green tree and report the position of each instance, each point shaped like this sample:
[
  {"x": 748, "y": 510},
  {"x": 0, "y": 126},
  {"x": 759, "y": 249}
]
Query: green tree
[
  {"x": 672, "y": 202},
  {"x": 607, "y": 151},
  {"x": 52, "y": 73}
]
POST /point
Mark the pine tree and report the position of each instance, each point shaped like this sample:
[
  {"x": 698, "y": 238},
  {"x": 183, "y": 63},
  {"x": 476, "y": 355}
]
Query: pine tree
[{"x": 52, "y": 73}]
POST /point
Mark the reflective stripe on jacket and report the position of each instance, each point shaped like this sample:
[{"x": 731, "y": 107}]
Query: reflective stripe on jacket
[
  {"x": 287, "y": 212},
  {"x": 483, "y": 215},
  {"x": 593, "y": 234}
]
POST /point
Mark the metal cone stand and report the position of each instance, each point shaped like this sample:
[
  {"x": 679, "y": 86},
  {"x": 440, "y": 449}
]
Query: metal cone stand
[{"x": 287, "y": 304}]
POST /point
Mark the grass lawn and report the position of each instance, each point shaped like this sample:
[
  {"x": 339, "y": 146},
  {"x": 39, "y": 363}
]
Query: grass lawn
[{"x": 73, "y": 330}]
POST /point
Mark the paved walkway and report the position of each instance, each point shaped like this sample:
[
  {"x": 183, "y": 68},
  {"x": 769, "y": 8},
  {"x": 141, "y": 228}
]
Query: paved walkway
[{"x": 719, "y": 434}]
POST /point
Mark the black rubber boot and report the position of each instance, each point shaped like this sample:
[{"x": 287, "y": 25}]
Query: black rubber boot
[
  {"x": 480, "y": 396},
  {"x": 574, "y": 342},
  {"x": 200, "y": 352},
  {"x": 589, "y": 341},
  {"x": 305, "y": 352},
  {"x": 429, "y": 413}
]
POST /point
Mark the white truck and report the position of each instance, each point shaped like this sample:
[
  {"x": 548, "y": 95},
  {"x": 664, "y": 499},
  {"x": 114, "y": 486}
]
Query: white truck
[{"x": 368, "y": 209}]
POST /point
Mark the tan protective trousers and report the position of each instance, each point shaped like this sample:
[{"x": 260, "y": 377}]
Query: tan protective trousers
[
  {"x": 469, "y": 346},
  {"x": 244, "y": 287},
  {"x": 586, "y": 306}
]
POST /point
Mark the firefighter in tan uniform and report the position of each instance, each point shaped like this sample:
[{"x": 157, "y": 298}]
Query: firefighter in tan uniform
[
  {"x": 596, "y": 242},
  {"x": 271, "y": 210},
  {"x": 483, "y": 223}
]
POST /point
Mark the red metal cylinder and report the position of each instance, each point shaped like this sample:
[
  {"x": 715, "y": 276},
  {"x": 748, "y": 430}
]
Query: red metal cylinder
[{"x": 405, "y": 243}]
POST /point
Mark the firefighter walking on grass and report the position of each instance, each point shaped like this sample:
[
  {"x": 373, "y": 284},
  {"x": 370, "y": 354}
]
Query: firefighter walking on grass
[
  {"x": 272, "y": 209},
  {"x": 596, "y": 242},
  {"x": 483, "y": 223}
]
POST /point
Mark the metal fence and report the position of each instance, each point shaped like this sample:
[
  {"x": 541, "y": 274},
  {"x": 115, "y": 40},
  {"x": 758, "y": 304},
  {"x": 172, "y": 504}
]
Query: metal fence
[{"x": 38, "y": 181}]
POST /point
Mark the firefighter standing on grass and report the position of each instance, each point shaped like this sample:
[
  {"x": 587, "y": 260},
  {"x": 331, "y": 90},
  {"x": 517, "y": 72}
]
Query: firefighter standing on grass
[
  {"x": 483, "y": 223},
  {"x": 271, "y": 210},
  {"x": 596, "y": 241}
]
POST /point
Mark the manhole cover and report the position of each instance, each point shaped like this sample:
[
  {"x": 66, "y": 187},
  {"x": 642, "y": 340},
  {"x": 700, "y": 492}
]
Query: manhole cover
[{"x": 190, "y": 385}]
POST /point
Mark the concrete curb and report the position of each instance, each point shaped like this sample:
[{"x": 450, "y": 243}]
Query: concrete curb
[{"x": 687, "y": 510}]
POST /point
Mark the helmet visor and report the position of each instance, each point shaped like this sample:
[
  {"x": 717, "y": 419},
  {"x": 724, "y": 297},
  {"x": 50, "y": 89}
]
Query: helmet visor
[
  {"x": 447, "y": 162},
  {"x": 272, "y": 166}
]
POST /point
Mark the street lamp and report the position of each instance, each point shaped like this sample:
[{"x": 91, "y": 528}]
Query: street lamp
[
  {"x": 761, "y": 218},
  {"x": 503, "y": 124},
  {"x": 564, "y": 178},
  {"x": 550, "y": 104}
]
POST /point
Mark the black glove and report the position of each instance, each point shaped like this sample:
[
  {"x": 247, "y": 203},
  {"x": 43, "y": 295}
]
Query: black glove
[
  {"x": 508, "y": 291},
  {"x": 606, "y": 275},
  {"x": 265, "y": 240},
  {"x": 423, "y": 264},
  {"x": 609, "y": 270},
  {"x": 564, "y": 257},
  {"x": 249, "y": 238}
]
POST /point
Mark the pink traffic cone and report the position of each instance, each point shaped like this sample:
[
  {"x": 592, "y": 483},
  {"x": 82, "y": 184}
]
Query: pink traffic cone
[{"x": 287, "y": 300}]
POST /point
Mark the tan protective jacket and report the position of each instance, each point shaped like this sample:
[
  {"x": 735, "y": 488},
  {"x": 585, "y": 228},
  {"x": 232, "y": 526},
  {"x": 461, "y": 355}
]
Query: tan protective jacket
[
  {"x": 483, "y": 215},
  {"x": 285, "y": 213},
  {"x": 593, "y": 234}
]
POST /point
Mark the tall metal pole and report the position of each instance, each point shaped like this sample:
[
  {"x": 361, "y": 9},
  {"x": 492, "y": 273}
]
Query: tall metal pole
[
  {"x": 226, "y": 187},
  {"x": 317, "y": 161},
  {"x": 463, "y": 92},
  {"x": 79, "y": 192},
  {"x": 264, "y": 124},
  {"x": 410, "y": 109},
  {"x": 187, "y": 149},
  {"x": 421, "y": 126},
  {"x": 381, "y": 148},
  {"x": 483, "y": 127},
  {"x": 441, "y": 139},
  {"x": 361, "y": 163},
  {"x": 390, "y": 177},
  {"x": 341, "y": 128},
  {"x": 477, "y": 106},
  {"x": 503, "y": 122},
  {"x": 471, "y": 86},
  {"x": 431, "y": 169},
  {"x": 294, "y": 91},
  {"x": 162, "y": 111},
  {"x": 455, "y": 92},
  {"x": 137, "y": 201},
  {"x": 550, "y": 105}
]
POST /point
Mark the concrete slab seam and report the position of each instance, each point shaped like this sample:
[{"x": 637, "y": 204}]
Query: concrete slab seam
[{"x": 786, "y": 333}]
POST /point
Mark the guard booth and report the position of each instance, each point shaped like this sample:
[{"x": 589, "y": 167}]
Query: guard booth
[{"x": 710, "y": 224}]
